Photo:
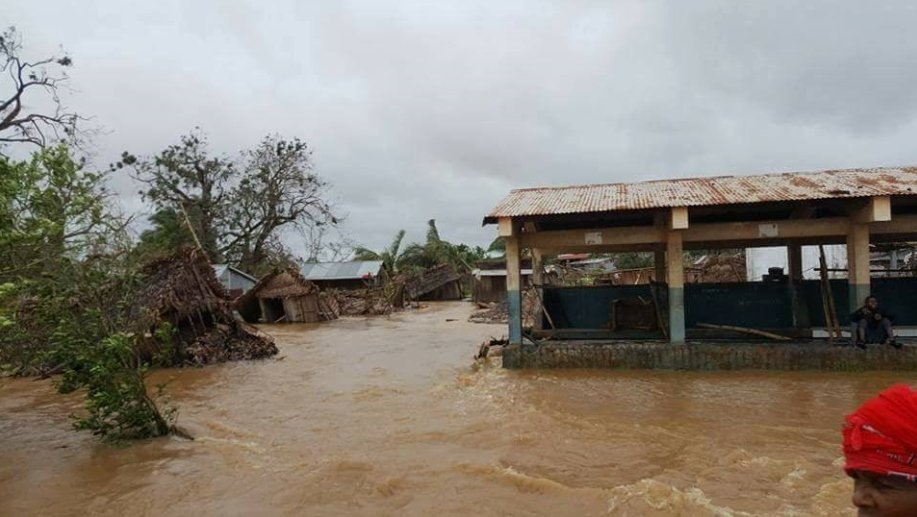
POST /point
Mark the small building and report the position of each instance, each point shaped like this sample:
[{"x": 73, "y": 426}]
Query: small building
[
  {"x": 281, "y": 297},
  {"x": 490, "y": 284},
  {"x": 354, "y": 274},
  {"x": 853, "y": 208},
  {"x": 235, "y": 281}
]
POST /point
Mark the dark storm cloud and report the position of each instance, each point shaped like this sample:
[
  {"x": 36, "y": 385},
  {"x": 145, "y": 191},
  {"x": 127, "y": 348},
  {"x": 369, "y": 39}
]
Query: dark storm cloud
[{"x": 420, "y": 110}]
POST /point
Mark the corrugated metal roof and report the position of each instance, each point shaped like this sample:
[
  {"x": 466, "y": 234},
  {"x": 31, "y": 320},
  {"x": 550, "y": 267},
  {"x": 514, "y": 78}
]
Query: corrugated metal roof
[
  {"x": 341, "y": 270},
  {"x": 722, "y": 190},
  {"x": 219, "y": 269}
]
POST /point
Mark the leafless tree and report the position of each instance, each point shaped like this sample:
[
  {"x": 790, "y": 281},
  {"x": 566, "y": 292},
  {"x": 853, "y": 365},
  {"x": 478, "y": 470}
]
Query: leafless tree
[
  {"x": 325, "y": 242},
  {"x": 31, "y": 109},
  {"x": 277, "y": 190}
]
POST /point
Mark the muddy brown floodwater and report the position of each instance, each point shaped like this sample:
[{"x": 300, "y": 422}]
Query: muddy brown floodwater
[{"x": 388, "y": 416}]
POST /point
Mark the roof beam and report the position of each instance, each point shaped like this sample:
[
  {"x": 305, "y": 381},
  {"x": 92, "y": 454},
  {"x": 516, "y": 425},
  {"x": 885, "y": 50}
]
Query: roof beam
[
  {"x": 644, "y": 237},
  {"x": 877, "y": 209}
]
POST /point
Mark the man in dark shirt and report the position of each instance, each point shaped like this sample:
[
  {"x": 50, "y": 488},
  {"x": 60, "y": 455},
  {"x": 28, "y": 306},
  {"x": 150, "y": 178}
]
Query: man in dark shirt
[{"x": 870, "y": 325}]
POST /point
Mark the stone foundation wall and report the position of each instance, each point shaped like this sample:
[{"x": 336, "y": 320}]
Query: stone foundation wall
[{"x": 648, "y": 356}]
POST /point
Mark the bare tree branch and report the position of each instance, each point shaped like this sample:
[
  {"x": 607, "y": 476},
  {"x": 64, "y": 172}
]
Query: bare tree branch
[{"x": 46, "y": 77}]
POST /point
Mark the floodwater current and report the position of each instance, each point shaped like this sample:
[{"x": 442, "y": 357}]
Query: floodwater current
[{"x": 390, "y": 416}]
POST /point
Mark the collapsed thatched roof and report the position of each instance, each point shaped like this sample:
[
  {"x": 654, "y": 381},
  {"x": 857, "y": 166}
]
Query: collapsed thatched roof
[
  {"x": 281, "y": 284},
  {"x": 183, "y": 290},
  {"x": 180, "y": 286}
]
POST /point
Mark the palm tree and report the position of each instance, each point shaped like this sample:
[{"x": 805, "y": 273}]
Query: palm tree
[
  {"x": 414, "y": 256},
  {"x": 437, "y": 251},
  {"x": 390, "y": 256}
]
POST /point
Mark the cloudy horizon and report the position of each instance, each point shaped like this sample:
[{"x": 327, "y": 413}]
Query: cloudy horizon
[{"x": 420, "y": 111}]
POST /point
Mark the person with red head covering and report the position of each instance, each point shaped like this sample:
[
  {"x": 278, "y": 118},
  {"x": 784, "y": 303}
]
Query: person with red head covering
[{"x": 880, "y": 449}]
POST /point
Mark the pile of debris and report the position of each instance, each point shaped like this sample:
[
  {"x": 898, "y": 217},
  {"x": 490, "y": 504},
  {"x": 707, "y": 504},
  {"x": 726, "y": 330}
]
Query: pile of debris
[
  {"x": 498, "y": 312},
  {"x": 440, "y": 282},
  {"x": 720, "y": 267},
  {"x": 183, "y": 292},
  {"x": 359, "y": 302}
]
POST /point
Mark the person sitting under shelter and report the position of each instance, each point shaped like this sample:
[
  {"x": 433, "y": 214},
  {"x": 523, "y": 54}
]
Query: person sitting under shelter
[
  {"x": 869, "y": 325},
  {"x": 880, "y": 453}
]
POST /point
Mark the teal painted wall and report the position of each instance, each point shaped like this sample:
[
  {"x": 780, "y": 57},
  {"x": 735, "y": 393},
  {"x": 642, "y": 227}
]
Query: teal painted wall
[{"x": 751, "y": 304}]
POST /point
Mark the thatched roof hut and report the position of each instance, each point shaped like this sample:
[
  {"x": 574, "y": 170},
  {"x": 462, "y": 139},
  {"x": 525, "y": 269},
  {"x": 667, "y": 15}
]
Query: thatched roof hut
[
  {"x": 282, "y": 297},
  {"x": 183, "y": 291}
]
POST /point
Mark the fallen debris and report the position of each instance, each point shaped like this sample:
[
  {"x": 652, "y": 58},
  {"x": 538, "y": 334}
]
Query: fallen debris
[
  {"x": 183, "y": 292},
  {"x": 485, "y": 349},
  {"x": 361, "y": 302},
  {"x": 498, "y": 312},
  {"x": 744, "y": 330}
]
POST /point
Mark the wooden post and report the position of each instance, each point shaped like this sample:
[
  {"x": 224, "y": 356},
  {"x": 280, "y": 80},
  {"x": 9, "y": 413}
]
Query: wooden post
[
  {"x": 858, "y": 264},
  {"x": 659, "y": 263},
  {"x": 513, "y": 289},
  {"x": 794, "y": 272},
  {"x": 537, "y": 282},
  {"x": 675, "y": 279}
]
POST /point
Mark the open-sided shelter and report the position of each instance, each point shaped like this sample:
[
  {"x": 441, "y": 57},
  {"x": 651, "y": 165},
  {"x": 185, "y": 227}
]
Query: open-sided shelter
[{"x": 853, "y": 207}]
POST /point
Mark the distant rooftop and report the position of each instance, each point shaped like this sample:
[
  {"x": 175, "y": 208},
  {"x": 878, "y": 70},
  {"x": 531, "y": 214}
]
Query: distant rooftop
[
  {"x": 219, "y": 269},
  {"x": 341, "y": 270},
  {"x": 722, "y": 190}
]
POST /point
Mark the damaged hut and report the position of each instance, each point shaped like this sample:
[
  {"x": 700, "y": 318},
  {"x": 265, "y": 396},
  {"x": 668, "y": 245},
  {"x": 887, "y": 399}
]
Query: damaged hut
[
  {"x": 283, "y": 297},
  {"x": 183, "y": 292},
  {"x": 437, "y": 283}
]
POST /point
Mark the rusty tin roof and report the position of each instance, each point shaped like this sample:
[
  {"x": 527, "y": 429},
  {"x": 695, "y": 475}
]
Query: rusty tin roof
[{"x": 721, "y": 190}]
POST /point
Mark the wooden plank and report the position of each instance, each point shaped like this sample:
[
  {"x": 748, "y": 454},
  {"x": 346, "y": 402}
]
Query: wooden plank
[{"x": 538, "y": 281}]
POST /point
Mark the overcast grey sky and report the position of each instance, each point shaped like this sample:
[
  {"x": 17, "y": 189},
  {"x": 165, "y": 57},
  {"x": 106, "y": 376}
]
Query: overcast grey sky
[{"x": 420, "y": 110}]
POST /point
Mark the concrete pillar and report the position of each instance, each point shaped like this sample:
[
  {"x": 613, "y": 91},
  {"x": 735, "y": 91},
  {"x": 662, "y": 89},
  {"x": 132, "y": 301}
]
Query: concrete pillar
[
  {"x": 659, "y": 263},
  {"x": 858, "y": 264},
  {"x": 537, "y": 282},
  {"x": 513, "y": 289},
  {"x": 675, "y": 278}
]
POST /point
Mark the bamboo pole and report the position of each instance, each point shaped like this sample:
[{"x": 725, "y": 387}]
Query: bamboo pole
[{"x": 744, "y": 330}]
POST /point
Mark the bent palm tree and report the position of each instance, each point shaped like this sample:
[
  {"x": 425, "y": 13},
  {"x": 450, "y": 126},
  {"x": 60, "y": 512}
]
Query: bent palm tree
[{"x": 390, "y": 256}]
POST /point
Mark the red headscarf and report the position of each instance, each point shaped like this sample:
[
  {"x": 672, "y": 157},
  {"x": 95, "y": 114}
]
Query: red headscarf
[{"x": 881, "y": 435}]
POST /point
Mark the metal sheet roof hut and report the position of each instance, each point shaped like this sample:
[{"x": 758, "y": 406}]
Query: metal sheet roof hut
[
  {"x": 355, "y": 274},
  {"x": 183, "y": 290},
  {"x": 282, "y": 297}
]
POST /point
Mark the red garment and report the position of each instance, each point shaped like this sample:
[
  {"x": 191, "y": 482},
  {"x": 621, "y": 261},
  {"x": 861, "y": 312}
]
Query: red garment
[{"x": 881, "y": 435}]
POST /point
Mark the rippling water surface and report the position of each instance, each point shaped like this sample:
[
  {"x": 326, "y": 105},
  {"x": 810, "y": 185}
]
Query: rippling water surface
[{"x": 388, "y": 416}]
